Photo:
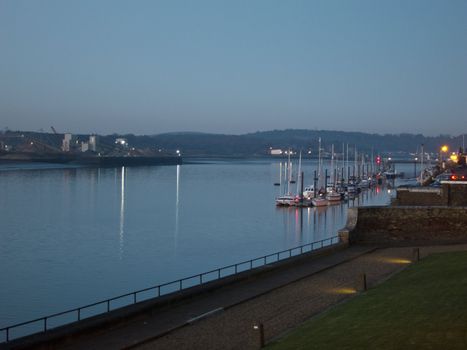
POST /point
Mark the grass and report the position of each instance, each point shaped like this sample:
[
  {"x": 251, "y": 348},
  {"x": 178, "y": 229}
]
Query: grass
[{"x": 423, "y": 307}]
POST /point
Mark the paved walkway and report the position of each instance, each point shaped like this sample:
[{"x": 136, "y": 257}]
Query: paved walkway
[
  {"x": 280, "y": 300},
  {"x": 285, "y": 308}
]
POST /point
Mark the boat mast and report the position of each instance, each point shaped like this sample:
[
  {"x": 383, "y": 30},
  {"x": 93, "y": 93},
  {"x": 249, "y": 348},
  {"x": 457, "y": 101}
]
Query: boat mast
[
  {"x": 332, "y": 166},
  {"x": 280, "y": 177},
  {"x": 355, "y": 163},
  {"x": 421, "y": 164},
  {"x": 299, "y": 175},
  {"x": 290, "y": 173},
  {"x": 347, "y": 165},
  {"x": 319, "y": 163}
]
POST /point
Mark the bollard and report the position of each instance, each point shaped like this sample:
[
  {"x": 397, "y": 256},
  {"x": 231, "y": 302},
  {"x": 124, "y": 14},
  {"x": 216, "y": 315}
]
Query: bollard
[
  {"x": 260, "y": 327},
  {"x": 416, "y": 254},
  {"x": 364, "y": 286}
]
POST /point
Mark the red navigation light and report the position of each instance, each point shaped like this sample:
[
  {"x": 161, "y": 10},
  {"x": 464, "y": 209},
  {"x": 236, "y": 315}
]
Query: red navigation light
[{"x": 378, "y": 160}]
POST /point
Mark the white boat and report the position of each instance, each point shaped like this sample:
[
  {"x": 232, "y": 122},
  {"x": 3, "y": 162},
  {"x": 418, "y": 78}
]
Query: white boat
[
  {"x": 333, "y": 197},
  {"x": 364, "y": 184},
  {"x": 309, "y": 192},
  {"x": 319, "y": 201},
  {"x": 286, "y": 200},
  {"x": 351, "y": 189}
]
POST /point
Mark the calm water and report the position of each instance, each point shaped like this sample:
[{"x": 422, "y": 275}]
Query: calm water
[{"x": 77, "y": 235}]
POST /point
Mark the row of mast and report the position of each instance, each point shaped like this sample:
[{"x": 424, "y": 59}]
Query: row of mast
[{"x": 288, "y": 171}]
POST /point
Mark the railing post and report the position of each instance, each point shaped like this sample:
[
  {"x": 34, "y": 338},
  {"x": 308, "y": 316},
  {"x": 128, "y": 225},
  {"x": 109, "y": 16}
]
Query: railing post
[
  {"x": 108, "y": 305},
  {"x": 235, "y": 268},
  {"x": 45, "y": 324},
  {"x": 416, "y": 254},
  {"x": 218, "y": 273},
  {"x": 260, "y": 328},
  {"x": 8, "y": 334},
  {"x": 181, "y": 285},
  {"x": 363, "y": 279},
  {"x": 200, "y": 279},
  {"x": 251, "y": 264},
  {"x": 158, "y": 291},
  {"x": 79, "y": 314},
  {"x": 134, "y": 298}
]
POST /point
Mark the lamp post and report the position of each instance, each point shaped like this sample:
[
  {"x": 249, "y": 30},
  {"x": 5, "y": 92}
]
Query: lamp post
[{"x": 444, "y": 149}]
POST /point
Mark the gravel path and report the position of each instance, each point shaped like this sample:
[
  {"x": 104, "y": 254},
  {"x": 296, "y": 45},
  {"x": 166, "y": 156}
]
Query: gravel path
[{"x": 285, "y": 308}]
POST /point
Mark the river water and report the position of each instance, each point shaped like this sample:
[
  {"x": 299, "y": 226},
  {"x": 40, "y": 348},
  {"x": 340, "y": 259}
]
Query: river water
[{"x": 72, "y": 236}]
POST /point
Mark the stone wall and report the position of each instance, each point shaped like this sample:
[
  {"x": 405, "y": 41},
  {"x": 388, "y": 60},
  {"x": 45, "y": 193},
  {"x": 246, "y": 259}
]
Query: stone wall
[
  {"x": 452, "y": 194},
  {"x": 406, "y": 225},
  {"x": 420, "y": 196},
  {"x": 455, "y": 194}
]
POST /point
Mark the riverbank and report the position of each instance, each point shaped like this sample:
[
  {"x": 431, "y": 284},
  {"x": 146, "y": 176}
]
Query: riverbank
[{"x": 280, "y": 300}]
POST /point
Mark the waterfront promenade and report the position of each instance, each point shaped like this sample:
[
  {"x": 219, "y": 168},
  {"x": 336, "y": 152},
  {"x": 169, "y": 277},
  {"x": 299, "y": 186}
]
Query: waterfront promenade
[{"x": 280, "y": 300}]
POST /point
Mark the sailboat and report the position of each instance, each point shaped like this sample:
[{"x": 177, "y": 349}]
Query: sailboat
[
  {"x": 320, "y": 200},
  {"x": 332, "y": 195},
  {"x": 286, "y": 199}
]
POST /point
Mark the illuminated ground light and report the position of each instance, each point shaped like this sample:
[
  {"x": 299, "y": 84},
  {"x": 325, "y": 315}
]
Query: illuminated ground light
[
  {"x": 397, "y": 261},
  {"x": 343, "y": 291}
]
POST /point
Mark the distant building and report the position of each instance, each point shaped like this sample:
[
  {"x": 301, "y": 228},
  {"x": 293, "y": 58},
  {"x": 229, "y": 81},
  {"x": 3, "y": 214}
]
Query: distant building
[
  {"x": 66, "y": 142},
  {"x": 92, "y": 143},
  {"x": 84, "y": 146},
  {"x": 275, "y": 152}
]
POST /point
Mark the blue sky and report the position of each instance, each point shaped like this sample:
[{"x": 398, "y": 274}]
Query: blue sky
[{"x": 148, "y": 67}]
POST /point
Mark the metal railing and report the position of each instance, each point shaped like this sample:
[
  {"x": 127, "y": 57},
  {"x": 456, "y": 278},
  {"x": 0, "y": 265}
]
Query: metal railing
[{"x": 42, "y": 324}]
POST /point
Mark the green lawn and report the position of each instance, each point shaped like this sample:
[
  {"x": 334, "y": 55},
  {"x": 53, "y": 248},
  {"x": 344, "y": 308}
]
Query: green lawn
[{"x": 423, "y": 307}]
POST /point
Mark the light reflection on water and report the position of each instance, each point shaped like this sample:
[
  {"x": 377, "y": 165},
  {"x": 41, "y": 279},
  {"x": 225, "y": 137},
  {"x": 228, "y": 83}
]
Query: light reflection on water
[{"x": 74, "y": 236}]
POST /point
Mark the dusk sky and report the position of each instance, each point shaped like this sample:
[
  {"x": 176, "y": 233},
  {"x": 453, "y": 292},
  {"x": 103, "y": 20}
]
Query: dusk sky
[{"x": 149, "y": 67}]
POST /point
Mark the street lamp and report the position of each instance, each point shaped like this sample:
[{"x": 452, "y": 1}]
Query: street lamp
[{"x": 444, "y": 149}]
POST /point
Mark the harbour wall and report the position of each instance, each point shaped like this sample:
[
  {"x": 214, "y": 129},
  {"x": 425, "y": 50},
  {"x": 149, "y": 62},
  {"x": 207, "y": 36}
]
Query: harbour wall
[
  {"x": 449, "y": 194},
  {"x": 398, "y": 225}
]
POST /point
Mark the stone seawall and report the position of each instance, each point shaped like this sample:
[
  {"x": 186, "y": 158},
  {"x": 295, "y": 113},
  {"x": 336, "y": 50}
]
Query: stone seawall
[
  {"x": 420, "y": 196},
  {"x": 406, "y": 225},
  {"x": 450, "y": 194}
]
